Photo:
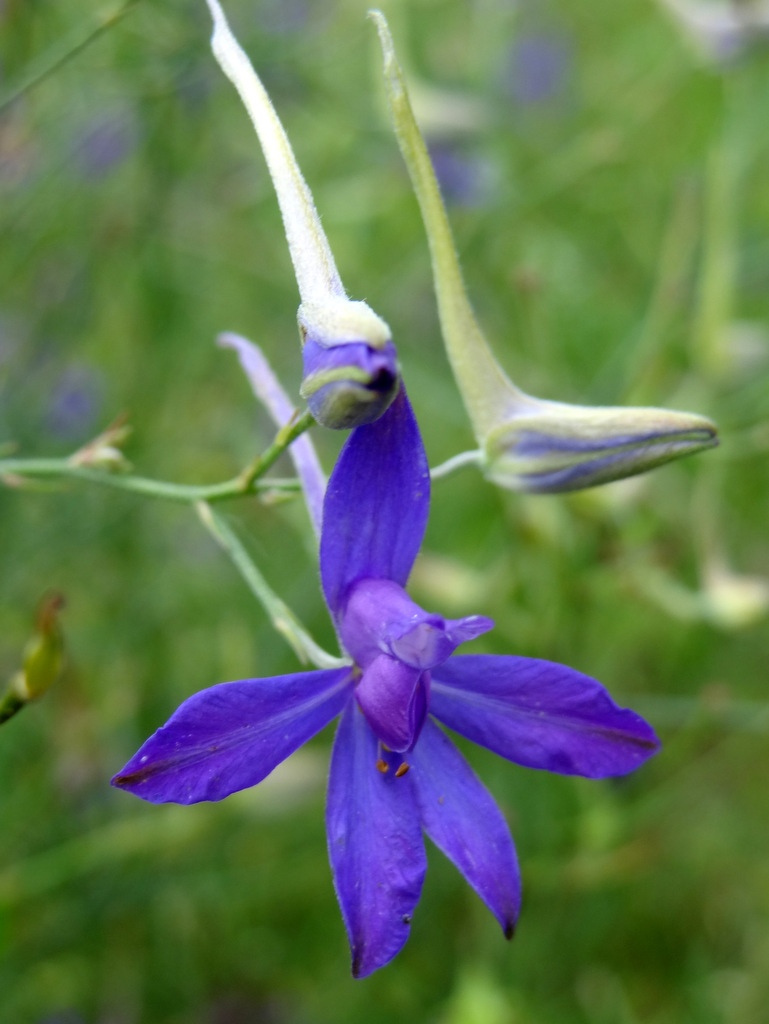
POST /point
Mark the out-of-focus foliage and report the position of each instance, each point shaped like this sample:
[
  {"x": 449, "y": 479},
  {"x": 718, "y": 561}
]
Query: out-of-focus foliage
[{"x": 608, "y": 191}]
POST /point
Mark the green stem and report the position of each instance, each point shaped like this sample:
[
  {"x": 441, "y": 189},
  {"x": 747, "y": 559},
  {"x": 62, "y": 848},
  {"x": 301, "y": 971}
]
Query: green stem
[
  {"x": 281, "y": 616},
  {"x": 246, "y": 482},
  {"x": 56, "y": 468},
  {"x": 472, "y": 458},
  {"x": 284, "y": 437},
  {"x": 64, "y": 50}
]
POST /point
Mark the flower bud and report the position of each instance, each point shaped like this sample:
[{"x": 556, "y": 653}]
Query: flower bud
[
  {"x": 348, "y": 385},
  {"x": 351, "y": 373},
  {"x": 43, "y": 660},
  {"x": 553, "y": 447},
  {"x": 525, "y": 443}
]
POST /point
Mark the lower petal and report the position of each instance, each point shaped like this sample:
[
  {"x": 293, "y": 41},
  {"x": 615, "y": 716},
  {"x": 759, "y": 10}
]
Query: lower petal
[
  {"x": 374, "y": 844},
  {"x": 462, "y": 819},
  {"x": 232, "y": 735},
  {"x": 541, "y": 715}
]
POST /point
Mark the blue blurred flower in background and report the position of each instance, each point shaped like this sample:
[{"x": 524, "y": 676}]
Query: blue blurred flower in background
[
  {"x": 465, "y": 180},
  {"x": 104, "y": 141},
  {"x": 279, "y": 17},
  {"x": 539, "y": 67},
  {"x": 75, "y": 402}
]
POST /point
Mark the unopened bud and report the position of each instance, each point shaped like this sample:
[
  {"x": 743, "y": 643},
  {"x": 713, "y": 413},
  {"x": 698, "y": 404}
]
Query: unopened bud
[
  {"x": 43, "y": 660},
  {"x": 44, "y": 653},
  {"x": 329, "y": 322},
  {"x": 551, "y": 447},
  {"x": 525, "y": 443},
  {"x": 349, "y": 385}
]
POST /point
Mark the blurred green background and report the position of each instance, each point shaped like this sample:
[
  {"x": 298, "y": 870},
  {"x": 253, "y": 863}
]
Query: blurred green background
[{"x": 605, "y": 172}]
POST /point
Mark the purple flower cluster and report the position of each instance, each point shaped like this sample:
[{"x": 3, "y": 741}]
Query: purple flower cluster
[{"x": 394, "y": 772}]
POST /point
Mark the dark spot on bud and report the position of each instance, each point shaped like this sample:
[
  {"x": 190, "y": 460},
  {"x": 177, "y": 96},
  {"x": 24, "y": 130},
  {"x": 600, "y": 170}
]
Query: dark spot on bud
[
  {"x": 406, "y": 918},
  {"x": 383, "y": 381}
]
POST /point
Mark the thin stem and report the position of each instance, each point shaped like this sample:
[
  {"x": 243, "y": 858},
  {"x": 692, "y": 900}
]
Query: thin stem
[
  {"x": 246, "y": 482},
  {"x": 269, "y": 391},
  {"x": 288, "y": 433},
  {"x": 281, "y": 616},
  {"x": 62, "y": 468},
  {"x": 64, "y": 50},
  {"x": 472, "y": 458}
]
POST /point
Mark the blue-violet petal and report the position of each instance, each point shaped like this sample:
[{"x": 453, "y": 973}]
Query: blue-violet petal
[
  {"x": 375, "y": 846},
  {"x": 231, "y": 736},
  {"x": 376, "y": 506},
  {"x": 462, "y": 819},
  {"x": 541, "y": 715}
]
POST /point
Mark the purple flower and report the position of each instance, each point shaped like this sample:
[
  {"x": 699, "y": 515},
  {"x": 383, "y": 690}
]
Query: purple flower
[{"x": 393, "y": 771}]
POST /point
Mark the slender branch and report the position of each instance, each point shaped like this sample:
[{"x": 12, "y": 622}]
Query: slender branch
[
  {"x": 288, "y": 433},
  {"x": 63, "y": 50},
  {"x": 14, "y": 471},
  {"x": 248, "y": 481},
  {"x": 281, "y": 616},
  {"x": 472, "y": 458},
  {"x": 269, "y": 391}
]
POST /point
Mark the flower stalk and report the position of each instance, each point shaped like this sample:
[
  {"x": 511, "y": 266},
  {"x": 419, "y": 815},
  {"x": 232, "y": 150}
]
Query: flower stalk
[
  {"x": 18, "y": 472},
  {"x": 281, "y": 616}
]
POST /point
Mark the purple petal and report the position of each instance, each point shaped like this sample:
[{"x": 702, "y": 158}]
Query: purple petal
[
  {"x": 378, "y": 615},
  {"x": 468, "y": 628},
  {"x": 268, "y": 390},
  {"x": 232, "y": 735},
  {"x": 394, "y": 698},
  {"x": 541, "y": 715},
  {"x": 376, "y": 506},
  {"x": 462, "y": 819},
  {"x": 374, "y": 844},
  {"x": 434, "y": 640}
]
